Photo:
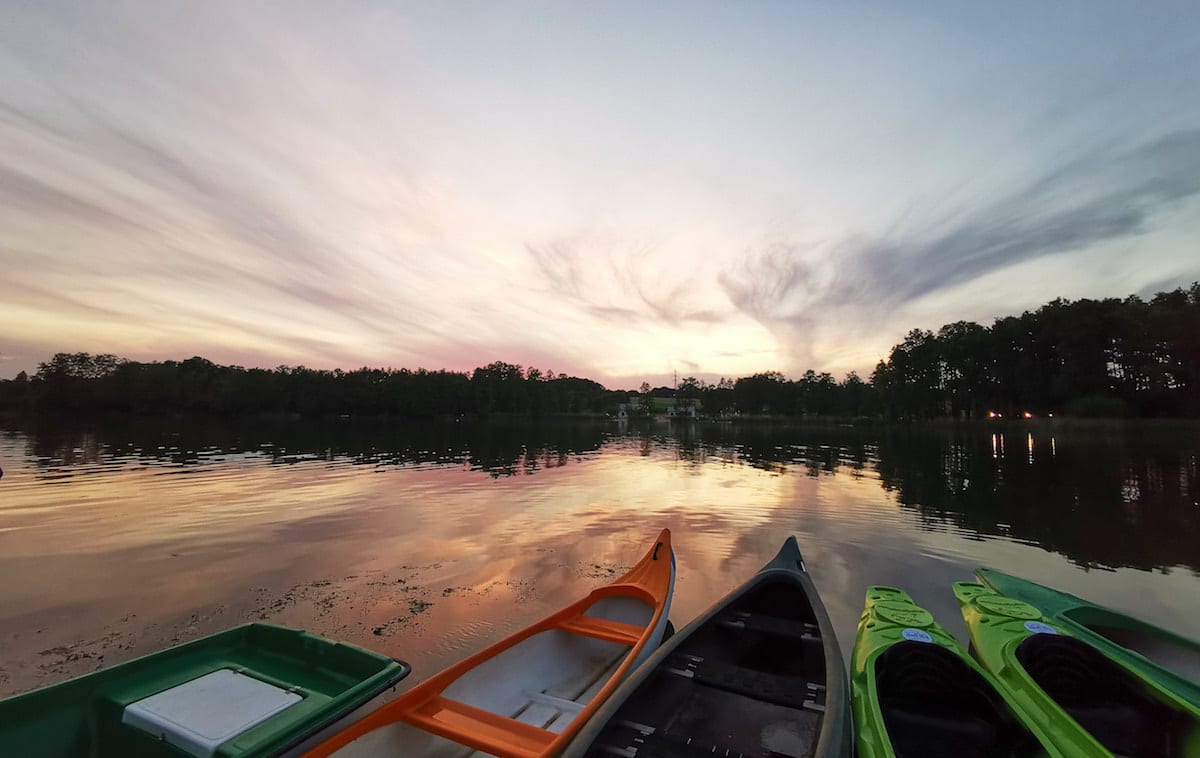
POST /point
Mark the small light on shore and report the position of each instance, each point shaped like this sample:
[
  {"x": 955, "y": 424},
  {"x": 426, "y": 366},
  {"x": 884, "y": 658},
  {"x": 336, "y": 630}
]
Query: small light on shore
[{"x": 1028, "y": 414}]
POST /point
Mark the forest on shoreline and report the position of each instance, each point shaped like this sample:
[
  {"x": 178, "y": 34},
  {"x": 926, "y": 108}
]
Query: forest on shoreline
[{"x": 1126, "y": 357}]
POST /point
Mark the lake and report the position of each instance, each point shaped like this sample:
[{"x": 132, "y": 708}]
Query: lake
[{"x": 429, "y": 540}]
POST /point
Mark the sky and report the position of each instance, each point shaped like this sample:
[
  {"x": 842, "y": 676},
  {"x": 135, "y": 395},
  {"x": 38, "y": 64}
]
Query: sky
[{"x": 618, "y": 190}]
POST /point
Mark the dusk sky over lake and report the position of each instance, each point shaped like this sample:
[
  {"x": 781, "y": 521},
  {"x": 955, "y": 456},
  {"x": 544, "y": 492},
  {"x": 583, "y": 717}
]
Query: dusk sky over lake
[{"x": 616, "y": 190}]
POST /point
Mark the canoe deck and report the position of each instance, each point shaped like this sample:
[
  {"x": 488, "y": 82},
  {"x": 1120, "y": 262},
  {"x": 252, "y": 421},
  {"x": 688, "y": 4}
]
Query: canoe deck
[
  {"x": 551, "y": 709},
  {"x": 516, "y": 703},
  {"x": 749, "y": 682},
  {"x": 526, "y": 695}
]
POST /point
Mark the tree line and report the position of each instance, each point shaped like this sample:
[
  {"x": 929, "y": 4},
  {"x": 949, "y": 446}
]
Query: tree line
[
  {"x": 1111, "y": 357},
  {"x": 81, "y": 382}
]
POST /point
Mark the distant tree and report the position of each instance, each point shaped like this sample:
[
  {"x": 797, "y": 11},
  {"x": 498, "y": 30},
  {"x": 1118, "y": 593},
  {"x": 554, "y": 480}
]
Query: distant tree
[
  {"x": 689, "y": 388},
  {"x": 761, "y": 393}
]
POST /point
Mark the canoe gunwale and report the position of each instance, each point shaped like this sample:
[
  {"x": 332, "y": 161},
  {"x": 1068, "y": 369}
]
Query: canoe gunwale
[
  {"x": 836, "y": 736},
  {"x": 369, "y": 703},
  {"x": 654, "y": 571}
]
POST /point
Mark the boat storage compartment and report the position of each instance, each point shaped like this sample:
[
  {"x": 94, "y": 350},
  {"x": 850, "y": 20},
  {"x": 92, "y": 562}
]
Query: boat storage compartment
[{"x": 200, "y": 715}]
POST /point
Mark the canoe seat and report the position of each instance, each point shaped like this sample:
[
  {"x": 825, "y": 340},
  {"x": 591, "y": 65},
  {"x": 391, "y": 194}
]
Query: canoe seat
[
  {"x": 480, "y": 729},
  {"x": 789, "y": 691},
  {"x": 771, "y": 625},
  {"x": 603, "y": 629}
]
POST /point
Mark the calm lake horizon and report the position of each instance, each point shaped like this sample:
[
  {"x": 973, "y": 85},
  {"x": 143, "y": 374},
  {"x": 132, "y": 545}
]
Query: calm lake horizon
[{"x": 429, "y": 540}]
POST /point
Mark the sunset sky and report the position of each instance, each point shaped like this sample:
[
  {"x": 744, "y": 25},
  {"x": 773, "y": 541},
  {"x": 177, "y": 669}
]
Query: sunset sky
[{"x": 616, "y": 190}]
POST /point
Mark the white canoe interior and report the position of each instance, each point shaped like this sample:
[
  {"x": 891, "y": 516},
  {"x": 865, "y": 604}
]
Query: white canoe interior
[{"x": 544, "y": 681}]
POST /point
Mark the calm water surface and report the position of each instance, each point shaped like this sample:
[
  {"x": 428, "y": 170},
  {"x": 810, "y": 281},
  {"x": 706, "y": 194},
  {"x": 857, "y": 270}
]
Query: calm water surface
[{"x": 429, "y": 541}]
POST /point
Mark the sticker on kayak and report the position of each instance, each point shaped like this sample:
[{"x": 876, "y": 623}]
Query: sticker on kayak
[
  {"x": 917, "y": 635},
  {"x": 1038, "y": 627}
]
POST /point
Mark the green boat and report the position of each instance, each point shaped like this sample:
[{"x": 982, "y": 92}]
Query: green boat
[
  {"x": 917, "y": 694},
  {"x": 1091, "y": 704},
  {"x": 255, "y": 690},
  {"x": 1153, "y": 652}
]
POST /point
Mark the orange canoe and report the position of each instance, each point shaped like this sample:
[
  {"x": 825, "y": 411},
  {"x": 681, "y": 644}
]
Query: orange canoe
[{"x": 528, "y": 694}]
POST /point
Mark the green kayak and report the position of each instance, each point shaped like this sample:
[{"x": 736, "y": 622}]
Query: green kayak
[
  {"x": 1091, "y": 704},
  {"x": 256, "y": 690},
  {"x": 917, "y": 694},
  {"x": 1155, "y": 653}
]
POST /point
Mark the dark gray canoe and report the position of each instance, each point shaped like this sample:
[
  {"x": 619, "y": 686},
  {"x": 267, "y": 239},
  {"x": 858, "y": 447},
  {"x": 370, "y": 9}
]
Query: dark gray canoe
[{"x": 758, "y": 674}]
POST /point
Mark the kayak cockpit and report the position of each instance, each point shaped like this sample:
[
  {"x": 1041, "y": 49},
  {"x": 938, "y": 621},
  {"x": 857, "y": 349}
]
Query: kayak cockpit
[
  {"x": 1116, "y": 708},
  {"x": 934, "y": 704},
  {"x": 1171, "y": 652},
  {"x": 751, "y": 680}
]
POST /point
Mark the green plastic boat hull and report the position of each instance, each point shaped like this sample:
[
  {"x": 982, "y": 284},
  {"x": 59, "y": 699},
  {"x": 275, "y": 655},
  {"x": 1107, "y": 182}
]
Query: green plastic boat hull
[
  {"x": 916, "y": 692},
  {"x": 1167, "y": 658},
  {"x": 1091, "y": 704},
  {"x": 311, "y": 684}
]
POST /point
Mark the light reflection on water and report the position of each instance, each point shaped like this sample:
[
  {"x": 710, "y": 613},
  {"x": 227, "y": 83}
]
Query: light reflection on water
[{"x": 429, "y": 541}]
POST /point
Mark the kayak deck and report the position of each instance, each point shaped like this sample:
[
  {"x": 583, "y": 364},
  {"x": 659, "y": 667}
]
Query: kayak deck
[
  {"x": 1167, "y": 657},
  {"x": 1093, "y": 703},
  {"x": 250, "y": 691},
  {"x": 917, "y": 695},
  {"x": 750, "y": 681}
]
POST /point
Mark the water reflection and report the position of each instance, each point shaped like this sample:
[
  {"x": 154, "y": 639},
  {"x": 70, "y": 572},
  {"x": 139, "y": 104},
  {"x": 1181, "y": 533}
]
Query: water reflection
[
  {"x": 118, "y": 538},
  {"x": 1122, "y": 496}
]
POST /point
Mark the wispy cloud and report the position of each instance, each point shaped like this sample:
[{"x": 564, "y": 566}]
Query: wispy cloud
[
  {"x": 1078, "y": 204},
  {"x": 628, "y": 285},
  {"x": 406, "y": 186}
]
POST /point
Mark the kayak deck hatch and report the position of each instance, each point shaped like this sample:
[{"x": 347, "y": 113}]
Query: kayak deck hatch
[
  {"x": 934, "y": 705},
  {"x": 749, "y": 682},
  {"x": 1103, "y": 698}
]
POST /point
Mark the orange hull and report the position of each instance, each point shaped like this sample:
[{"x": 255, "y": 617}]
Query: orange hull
[{"x": 481, "y": 716}]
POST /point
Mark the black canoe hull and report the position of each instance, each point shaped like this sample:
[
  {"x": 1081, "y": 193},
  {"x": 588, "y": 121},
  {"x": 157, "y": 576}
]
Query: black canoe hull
[{"x": 760, "y": 673}]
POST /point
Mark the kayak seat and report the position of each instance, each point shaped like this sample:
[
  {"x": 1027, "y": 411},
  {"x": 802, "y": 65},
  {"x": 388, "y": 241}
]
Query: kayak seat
[
  {"x": 603, "y": 629},
  {"x": 934, "y": 704},
  {"x": 915, "y": 733},
  {"x": 1104, "y": 698},
  {"x": 480, "y": 729}
]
